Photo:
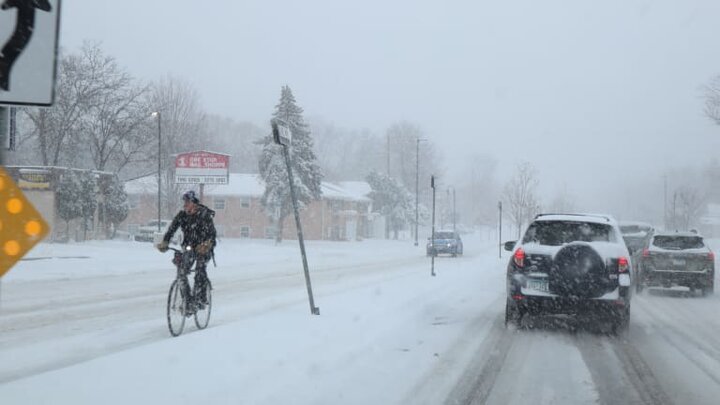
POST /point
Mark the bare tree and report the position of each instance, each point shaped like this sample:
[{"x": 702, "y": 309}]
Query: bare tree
[
  {"x": 77, "y": 88},
  {"x": 686, "y": 208},
  {"x": 183, "y": 130},
  {"x": 520, "y": 195},
  {"x": 712, "y": 99},
  {"x": 110, "y": 128}
]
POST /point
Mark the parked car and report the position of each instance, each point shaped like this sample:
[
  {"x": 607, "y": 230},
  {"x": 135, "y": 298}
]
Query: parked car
[
  {"x": 447, "y": 242},
  {"x": 149, "y": 232},
  {"x": 570, "y": 264},
  {"x": 635, "y": 234},
  {"x": 670, "y": 259}
]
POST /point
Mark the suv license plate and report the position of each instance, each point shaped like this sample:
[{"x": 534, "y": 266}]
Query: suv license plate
[
  {"x": 678, "y": 262},
  {"x": 538, "y": 285}
]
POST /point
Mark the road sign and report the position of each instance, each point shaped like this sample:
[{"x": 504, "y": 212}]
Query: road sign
[
  {"x": 202, "y": 167},
  {"x": 21, "y": 226},
  {"x": 29, "y": 40}
]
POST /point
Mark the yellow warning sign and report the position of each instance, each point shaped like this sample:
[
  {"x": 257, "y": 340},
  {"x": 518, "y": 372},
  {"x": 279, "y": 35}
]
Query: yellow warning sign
[{"x": 21, "y": 226}]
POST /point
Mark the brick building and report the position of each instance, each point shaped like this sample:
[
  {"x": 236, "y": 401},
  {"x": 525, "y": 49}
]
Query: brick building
[{"x": 343, "y": 212}]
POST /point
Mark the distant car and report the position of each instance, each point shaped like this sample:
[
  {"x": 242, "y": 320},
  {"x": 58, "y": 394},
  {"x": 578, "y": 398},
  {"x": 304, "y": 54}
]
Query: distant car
[
  {"x": 635, "y": 234},
  {"x": 445, "y": 242},
  {"x": 572, "y": 264},
  {"x": 149, "y": 232},
  {"x": 670, "y": 259}
]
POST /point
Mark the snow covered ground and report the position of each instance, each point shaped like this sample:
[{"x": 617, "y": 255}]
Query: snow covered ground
[{"x": 85, "y": 324}]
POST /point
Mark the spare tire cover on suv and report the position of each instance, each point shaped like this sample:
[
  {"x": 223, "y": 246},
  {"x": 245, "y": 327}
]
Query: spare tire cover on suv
[{"x": 578, "y": 271}]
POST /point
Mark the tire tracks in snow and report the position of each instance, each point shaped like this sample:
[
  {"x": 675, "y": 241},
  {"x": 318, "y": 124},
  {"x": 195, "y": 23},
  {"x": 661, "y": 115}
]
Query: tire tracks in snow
[{"x": 476, "y": 383}]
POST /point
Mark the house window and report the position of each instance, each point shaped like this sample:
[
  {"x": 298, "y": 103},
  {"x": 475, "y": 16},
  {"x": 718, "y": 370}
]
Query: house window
[
  {"x": 219, "y": 204},
  {"x": 245, "y": 202},
  {"x": 244, "y": 231}
]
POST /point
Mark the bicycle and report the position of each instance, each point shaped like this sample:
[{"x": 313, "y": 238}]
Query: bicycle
[{"x": 182, "y": 301}]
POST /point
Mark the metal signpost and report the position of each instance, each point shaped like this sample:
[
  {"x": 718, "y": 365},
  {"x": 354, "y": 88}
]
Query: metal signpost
[
  {"x": 283, "y": 137},
  {"x": 500, "y": 230},
  {"x": 432, "y": 237}
]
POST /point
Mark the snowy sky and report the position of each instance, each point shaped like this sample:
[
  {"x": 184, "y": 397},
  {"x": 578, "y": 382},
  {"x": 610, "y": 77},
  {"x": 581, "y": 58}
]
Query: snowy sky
[{"x": 591, "y": 92}]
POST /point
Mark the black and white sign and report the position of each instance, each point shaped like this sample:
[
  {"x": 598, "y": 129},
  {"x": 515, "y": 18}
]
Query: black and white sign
[{"x": 29, "y": 41}]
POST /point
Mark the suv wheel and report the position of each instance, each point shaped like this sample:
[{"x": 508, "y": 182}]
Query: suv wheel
[
  {"x": 708, "y": 290},
  {"x": 512, "y": 315},
  {"x": 621, "y": 322}
]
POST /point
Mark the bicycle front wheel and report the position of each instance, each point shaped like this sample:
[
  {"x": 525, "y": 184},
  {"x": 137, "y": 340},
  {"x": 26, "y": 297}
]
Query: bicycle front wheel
[
  {"x": 176, "y": 309},
  {"x": 202, "y": 312}
]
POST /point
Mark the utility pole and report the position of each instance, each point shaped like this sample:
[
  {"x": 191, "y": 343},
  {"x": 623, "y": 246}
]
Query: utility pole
[
  {"x": 665, "y": 215},
  {"x": 417, "y": 185},
  {"x": 159, "y": 118},
  {"x": 432, "y": 236},
  {"x": 500, "y": 229}
]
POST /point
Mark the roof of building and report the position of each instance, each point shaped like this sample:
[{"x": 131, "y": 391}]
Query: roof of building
[{"x": 251, "y": 185}]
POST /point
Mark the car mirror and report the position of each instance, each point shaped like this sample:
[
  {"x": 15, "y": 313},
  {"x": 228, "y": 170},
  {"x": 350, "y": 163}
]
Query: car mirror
[{"x": 509, "y": 246}]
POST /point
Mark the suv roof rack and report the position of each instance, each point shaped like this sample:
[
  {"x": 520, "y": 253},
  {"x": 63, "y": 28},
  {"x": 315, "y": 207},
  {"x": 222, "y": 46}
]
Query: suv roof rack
[{"x": 605, "y": 217}]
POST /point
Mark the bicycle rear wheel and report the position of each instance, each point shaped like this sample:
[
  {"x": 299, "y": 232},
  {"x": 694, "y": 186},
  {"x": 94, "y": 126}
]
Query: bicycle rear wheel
[
  {"x": 202, "y": 312},
  {"x": 176, "y": 309}
]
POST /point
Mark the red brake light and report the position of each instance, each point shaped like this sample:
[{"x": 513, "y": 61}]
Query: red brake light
[
  {"x": 646, "y": 252},
  {"x": 519, "y": 257},
  {"x": 711, "y": 256},
  {"x": 623, "y": 265}
]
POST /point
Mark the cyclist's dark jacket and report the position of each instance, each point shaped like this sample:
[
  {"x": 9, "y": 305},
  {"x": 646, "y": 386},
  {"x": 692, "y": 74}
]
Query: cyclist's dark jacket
[{"x": 196, "y": 228}]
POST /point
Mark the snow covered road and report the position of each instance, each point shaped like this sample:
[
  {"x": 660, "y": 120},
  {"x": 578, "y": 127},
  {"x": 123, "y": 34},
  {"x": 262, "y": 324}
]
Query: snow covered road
[{"x": 92, "y": 330}]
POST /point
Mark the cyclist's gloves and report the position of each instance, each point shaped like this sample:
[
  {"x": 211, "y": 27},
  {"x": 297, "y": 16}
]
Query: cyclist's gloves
[
  {"x": 204, "y": 247},
  {"x": 162, "y": 246}
]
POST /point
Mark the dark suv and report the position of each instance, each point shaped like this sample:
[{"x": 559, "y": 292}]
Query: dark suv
[
  {"x": 635, "y": 234},
  {"x": 448, "y": 242},
  {"x": 570, "y": 264},
  {"x": 675, "y": 259}
]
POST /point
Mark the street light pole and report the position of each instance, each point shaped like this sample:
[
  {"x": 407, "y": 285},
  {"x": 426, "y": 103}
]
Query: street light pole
[
  {"x": 157, "y": 114},
  {"x": 417, "y": 184}
]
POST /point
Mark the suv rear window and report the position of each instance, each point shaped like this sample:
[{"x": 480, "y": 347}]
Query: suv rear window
[
  {"x": 556, "y": 233},
  {"x": 444, "y": 235},
  {"x": 678, "y": 242}
]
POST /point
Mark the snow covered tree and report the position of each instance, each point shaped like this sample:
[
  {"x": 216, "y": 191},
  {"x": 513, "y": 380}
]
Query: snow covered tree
[
  {"x": 87, "y": 199},
  {"x": 115, "y": 207},
  {"x": 392, "y": 200},
  {"x": 67, "y": 197},
  {"x": 712, "y": 99},
  {"x": 306, "y": 171}
]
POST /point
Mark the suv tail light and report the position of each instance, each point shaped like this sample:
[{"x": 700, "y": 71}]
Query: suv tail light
[
  {"x": 646, "y": 252},
  {"x": 623, "y": 265},
  {"x": 519, "y": 257},
  {"x": 711, "y": 256}
]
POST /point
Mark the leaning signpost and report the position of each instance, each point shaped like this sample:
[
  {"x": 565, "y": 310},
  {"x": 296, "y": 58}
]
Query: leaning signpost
[{"x": 283, "y": 137}]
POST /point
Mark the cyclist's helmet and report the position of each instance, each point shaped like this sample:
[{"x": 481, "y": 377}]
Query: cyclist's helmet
[{"x": 191, "y": 196}]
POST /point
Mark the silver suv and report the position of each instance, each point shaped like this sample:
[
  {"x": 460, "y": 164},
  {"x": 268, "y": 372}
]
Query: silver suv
[{"x": 570, "y": 264}]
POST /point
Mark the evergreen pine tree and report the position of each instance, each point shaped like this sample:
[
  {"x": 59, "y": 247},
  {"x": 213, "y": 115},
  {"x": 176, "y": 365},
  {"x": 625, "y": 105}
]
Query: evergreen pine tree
[
  {"x": 88, "y": 199},
  {"x": 115, "y": 208},
  {"x": 306, "y": 171},
  {"x": 68, "y": 199}
]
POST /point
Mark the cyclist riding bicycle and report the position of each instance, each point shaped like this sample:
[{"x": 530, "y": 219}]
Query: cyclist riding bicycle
[{"x": 196, "y": 222}]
